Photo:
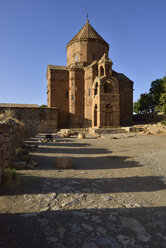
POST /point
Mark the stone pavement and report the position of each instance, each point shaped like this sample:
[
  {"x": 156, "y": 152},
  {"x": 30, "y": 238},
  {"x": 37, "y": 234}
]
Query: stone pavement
[{"x": 82, "y": 208}]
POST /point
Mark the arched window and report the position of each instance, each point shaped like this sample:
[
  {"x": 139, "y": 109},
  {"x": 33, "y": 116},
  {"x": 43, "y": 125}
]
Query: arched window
[
  {"x": 101, "y": 71},
  {"x": 96, "y": 88},
  {"x": 108, "y": 87}
]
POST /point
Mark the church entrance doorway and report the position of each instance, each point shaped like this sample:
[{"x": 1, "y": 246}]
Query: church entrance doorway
[
  {"x": 108, "y": 119},
  {"x": 108, "y": 115}
]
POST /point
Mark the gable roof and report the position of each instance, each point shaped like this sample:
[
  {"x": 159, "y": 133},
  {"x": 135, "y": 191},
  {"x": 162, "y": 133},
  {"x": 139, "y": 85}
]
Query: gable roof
[{"x": 87, "y": 32}]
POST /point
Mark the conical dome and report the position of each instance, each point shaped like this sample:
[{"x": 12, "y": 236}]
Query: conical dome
[
  {"x": 87, "y": 32},
  {"x": 86, "y": 46}
]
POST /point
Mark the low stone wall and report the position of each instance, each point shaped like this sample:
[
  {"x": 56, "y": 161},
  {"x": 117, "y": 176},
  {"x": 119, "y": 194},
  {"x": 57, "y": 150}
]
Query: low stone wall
[
  {"x": 35, "y": 119},
  {"x": 148, "y": 118},
  {"x": 11, "y": 136}
]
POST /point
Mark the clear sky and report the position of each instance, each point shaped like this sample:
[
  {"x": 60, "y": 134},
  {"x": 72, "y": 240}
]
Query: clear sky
[{"x": 34, "y": 33}]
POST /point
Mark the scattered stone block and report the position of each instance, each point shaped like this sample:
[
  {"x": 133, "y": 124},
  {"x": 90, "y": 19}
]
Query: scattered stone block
[
  {"x": 43, "y": 140},
  {"x": 81, "y": 136},
  {"x": 49, "y": 137},
  {"x": 65, "y": 162},
  {"x": 19, "y": 165},
  {"x": 65, "y": 135},
  {"x": 34, "y": 163},
  {"x": 29, "y": 166}
]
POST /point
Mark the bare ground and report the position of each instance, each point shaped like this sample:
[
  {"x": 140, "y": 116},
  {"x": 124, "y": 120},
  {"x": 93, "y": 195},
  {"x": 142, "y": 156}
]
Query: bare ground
[{"x": 114, "y": 197}]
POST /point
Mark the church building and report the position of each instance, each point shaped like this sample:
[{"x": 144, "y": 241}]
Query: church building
[{"x": 88, "y": 92}]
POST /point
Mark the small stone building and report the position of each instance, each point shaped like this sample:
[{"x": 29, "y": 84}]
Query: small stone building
[{"x": 87, "y": 92}]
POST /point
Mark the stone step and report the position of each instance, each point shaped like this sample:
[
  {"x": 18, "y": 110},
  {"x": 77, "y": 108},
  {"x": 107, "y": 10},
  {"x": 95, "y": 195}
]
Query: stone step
[
  {"x": 94, "y": 130},
  {"x": 107, "y": 130},
  {"x": 78, "y": 130}
]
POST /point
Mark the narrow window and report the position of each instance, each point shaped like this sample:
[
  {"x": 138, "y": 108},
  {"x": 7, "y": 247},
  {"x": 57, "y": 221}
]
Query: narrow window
[
  {"x": 96, "y": 86},
  {"x": 72, "y": 97},
  {"x": 94, "y": 57},
  {"x": 101, "y": 71},
  {"x": 76, "y": 58},
  {"x": 89, "y": 91},
  {"x": 66, "y": 94}
]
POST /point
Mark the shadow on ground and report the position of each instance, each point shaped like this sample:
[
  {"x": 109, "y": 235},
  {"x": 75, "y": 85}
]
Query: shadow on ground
[
  {"x": 34, "y": 185},
  {"x": 92, "y": 228},
  {"x": 86, "y": 163}
]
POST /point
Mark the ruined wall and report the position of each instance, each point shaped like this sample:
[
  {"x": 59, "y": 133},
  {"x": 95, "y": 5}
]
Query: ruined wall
[
  {"x": 35, "y": 119},
  {"x": 11, "y": 136}
]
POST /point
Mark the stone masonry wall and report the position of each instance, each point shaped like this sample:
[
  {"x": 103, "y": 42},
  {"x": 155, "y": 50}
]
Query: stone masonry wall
[
  {"x": 58, "y": 92},
  {"x": 11, "y": 137},
  {"x": 126, "y": 103},
  {"x": 35, "y": 119},
  {"x": 148, "y": 118}
]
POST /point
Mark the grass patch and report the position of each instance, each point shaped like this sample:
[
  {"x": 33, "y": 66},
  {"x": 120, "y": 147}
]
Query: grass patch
[
  {"x": 10, "y": 177},
  {"x": 9, "y": 115},
  {"x": 21, "y": 152}
]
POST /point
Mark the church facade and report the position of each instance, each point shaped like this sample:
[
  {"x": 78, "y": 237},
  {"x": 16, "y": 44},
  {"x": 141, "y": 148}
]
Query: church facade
[{"x": 88, "y": 92}]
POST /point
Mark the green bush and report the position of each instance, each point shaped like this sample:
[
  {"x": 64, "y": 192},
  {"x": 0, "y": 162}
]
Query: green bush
[
  {"x": 43, "y": 106},
  {"x": 163, "y": 122},
  {"x": 20, "y": 151}
]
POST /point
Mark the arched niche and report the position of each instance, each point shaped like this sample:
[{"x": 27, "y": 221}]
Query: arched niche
[{"x": 109, "y": 87}]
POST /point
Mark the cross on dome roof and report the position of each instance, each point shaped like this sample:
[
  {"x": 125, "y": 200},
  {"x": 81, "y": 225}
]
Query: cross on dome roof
[{"x": 87, "y": 32}]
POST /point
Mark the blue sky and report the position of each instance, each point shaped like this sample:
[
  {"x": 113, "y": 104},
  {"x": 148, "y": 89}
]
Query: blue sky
[{"x": 34, "y": 33}]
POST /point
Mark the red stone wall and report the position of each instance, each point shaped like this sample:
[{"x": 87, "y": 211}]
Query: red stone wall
[
  {"x": 126, "y": 103},
  {"x": 76, "y": 96},
  {"x": 58, "y": 93},
  {"x": 87, "y": 51}
]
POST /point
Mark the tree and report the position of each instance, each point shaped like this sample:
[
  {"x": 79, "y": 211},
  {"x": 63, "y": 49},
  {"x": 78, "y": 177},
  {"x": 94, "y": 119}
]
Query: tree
[
  {"x": 156, "y": 90},
  {"x": 144, "y": 104},
  {"x": 136, "y": 107},
  {"x": 164, "y": 79},
  {"x": 163, "y": 103}
]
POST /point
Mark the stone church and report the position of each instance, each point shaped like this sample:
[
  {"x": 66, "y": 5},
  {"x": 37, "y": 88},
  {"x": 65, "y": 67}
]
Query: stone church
[{"x": 87, "y": 92}]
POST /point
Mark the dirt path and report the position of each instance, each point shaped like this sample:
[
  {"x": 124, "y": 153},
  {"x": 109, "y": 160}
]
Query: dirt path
[{"x": 114, "y": 197}]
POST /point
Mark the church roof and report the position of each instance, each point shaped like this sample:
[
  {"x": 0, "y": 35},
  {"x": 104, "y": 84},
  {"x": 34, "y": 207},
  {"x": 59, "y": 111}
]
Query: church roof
[{"x": 87, "y": 32}]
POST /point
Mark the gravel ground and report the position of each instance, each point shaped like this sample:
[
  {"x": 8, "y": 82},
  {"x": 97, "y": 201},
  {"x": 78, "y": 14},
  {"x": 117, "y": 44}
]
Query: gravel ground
[{"x": 115, "y": 196}]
